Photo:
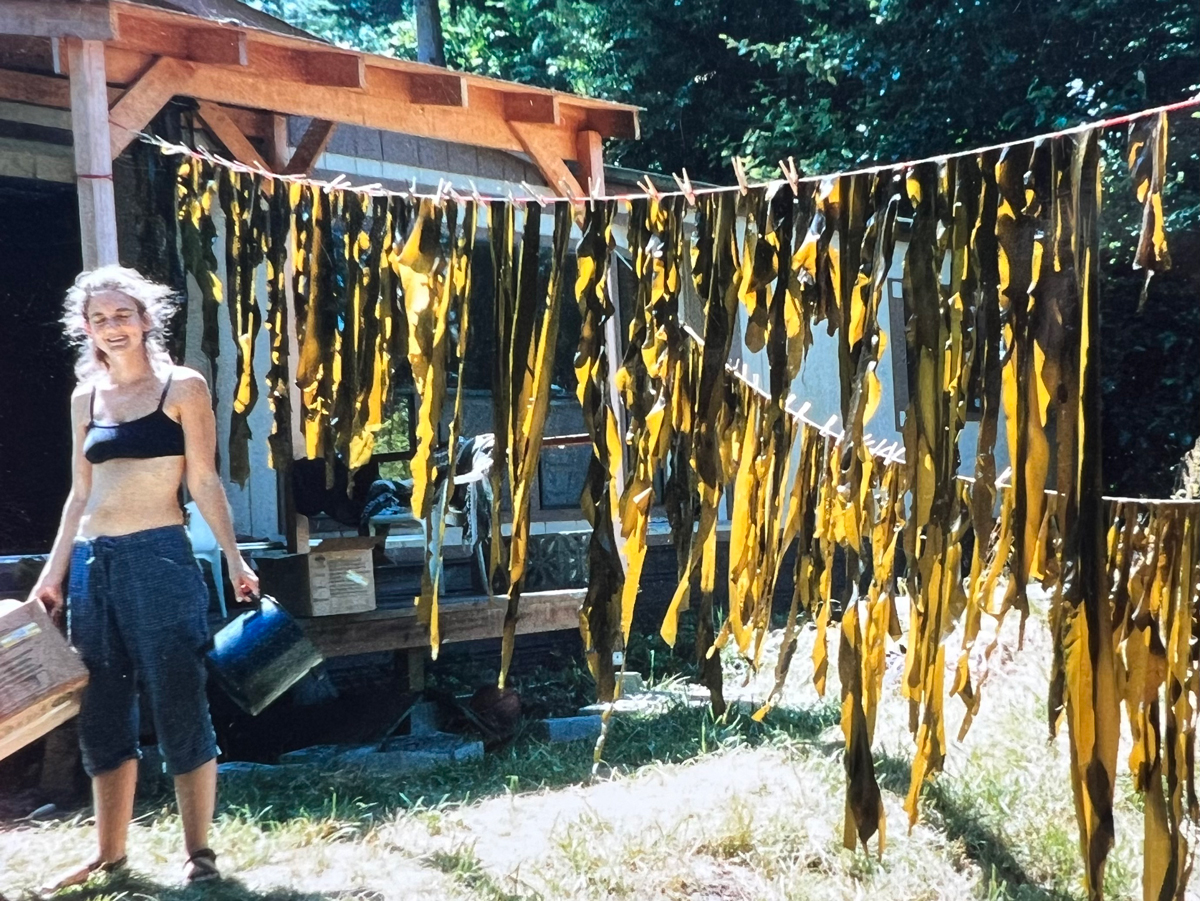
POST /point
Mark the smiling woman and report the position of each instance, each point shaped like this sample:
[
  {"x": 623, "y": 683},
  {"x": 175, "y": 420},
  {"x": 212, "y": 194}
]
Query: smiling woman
[{"x": 137, "y": 604}]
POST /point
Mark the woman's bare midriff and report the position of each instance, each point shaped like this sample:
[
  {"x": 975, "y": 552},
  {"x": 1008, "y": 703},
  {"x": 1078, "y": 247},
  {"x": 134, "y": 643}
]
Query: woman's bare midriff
[{"x": 131, "y": 495}]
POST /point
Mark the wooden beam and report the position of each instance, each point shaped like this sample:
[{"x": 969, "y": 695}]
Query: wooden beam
[
  {"x": 278, "y": 143},
  {"x": 589, "y": 150},
  {"x": 435, "y": 89},
  {"x": 467, "y": 619},
  {"x": 93, "y": 162},
  {"x": 614, "y": 123},
  {"x": 532, "y": 107},
  {"x": 547, "y": 157},
  {"x": 142, "y": 102},
  {"x": 311, "y": 146},
  {"x": 225, "y": 130},
  {"x": 333, "y": 68},
  {"x": 327, "y": 68},
  {"x": 58, "y": 18},
  {"x": 221, "y": 45}
]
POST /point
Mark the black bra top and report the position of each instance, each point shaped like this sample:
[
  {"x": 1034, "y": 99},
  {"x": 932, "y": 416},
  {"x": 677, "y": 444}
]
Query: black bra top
[{"x": 153, "y": 435}]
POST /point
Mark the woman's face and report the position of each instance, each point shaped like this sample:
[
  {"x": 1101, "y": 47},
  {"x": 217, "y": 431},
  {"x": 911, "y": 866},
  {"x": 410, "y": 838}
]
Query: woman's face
[{"x": 114, "y": 323}]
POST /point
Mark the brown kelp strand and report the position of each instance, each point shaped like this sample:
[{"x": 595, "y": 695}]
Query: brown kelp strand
[
  {"x": 534, "y": 336},
  {"x": 600, "y": 612},
  {"x": 1146, "y": 154}
]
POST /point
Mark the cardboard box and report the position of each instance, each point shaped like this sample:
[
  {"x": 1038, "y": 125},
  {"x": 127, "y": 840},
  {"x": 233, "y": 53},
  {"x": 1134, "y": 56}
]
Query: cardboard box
[
  {"x": 336, "y": 576},
  {"x": 41, "y": 677}
]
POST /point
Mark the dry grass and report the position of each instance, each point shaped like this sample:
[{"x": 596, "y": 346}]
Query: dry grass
[{"x": 693, "y": 809}]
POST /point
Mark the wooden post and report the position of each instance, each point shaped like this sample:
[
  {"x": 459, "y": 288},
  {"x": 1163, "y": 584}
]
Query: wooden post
[
  {"x": 590, "y": 153},
  {"x": 93, "y": 163}
]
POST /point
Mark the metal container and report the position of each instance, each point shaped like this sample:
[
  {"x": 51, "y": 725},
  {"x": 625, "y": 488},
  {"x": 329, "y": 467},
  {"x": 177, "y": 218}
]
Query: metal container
[{"x": 260, "y": 655}]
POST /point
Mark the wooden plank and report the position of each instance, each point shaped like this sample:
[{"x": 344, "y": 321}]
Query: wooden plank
[
  {"x": 41, "y": 90},
  {"x": 201, "y": 43},
  {"x": 613, "y": 123},
  {"x": 35, "y": 115},
  {"x": 142, "y": 102},
  {"x": 226, "y": 131},
  {"x": 437, "y": 89},
  {"x": 532, "y": 107},
  {"x": 93, "y": 162},
  {"x": 459, "y": 620},
  {"x": 542, "y": 149},
  {"x": 57, "y": 18},
  {"x": 306, "y": 66},
  {"x": 311, "y": 146}
]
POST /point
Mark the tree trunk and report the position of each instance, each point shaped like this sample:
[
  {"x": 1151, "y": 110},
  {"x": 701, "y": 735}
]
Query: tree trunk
[{"x": 431, "y": 48}]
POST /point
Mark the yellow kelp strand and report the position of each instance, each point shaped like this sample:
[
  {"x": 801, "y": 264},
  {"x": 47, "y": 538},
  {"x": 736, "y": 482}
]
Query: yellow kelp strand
[
  {"x": 534, "y": 339},
  {"x": 714, "y": 265},
  {"x": 600, "y": 613},
  {"x": 1090, "y": 689},
  {"x": 458, "y": 289},
  {"x": 424, "y": 274},
  {"x": 196, "y": 191},
  {"x": 1146, "y": 154},
  {"x": 501, "y": 235},
  {"x": 654, "y": 363},
  {"x": 279, "y": 198},
  {"x": 245, "y": 236}
]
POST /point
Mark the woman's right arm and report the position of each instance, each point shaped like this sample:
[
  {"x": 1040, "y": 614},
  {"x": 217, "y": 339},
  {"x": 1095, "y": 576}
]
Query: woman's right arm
[{"x": 48, "y": 588}]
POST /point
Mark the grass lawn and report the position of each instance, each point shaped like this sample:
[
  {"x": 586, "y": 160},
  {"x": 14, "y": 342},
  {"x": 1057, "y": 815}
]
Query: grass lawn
[{"x": 685, "y": 807}]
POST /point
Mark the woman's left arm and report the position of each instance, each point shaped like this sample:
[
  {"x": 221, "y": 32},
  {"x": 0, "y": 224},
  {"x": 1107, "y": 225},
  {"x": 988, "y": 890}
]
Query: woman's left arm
[{"x": 203, "y": 481}]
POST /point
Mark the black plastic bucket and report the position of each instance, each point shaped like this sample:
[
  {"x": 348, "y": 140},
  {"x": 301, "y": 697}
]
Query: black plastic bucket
[{"x": 260, "y": 655}]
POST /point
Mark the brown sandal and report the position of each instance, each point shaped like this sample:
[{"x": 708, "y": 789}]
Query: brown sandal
[
  {"x": 201, "y": 866},
  {"x": 80, "y": 875}
]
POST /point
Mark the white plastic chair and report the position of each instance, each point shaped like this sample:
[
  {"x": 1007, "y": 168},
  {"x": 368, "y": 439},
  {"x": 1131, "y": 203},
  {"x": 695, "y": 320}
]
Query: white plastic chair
[{"x": 205, "y": 547}]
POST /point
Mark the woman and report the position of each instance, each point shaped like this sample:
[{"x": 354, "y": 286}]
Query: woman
[{"x": 137, "y": 603}]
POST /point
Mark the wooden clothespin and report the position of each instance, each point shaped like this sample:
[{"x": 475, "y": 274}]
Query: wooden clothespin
[
  {"x": 739, "y": 171},
  {"x": 475, "y": 192},
  {"x": 533, "y": 194},
  {"x": 685, "y": 185},
  {"x": 650, "y": 189},
  {"x": 790, "y": 173},
  {"x": 565, "y": 187}
]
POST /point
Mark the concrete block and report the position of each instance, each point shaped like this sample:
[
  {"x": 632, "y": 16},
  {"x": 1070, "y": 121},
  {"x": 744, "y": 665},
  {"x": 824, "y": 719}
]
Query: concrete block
[
  {"x": 423, "y": 719},
  {"x": 411, "y": 753},
  {"x": 244, "y": 768},
  {"x": 631, "y": 683},
  {"x": 570, "y": 728},
  {"x": 315, "y": 755}
]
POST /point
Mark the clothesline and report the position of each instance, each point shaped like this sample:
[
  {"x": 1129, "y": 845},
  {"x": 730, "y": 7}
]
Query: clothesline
[
  {"x": 445, "y": 189},
  {"x": 895, "y": 453}
]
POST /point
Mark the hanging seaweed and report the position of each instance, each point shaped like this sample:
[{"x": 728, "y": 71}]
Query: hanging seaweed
[
  {"x": 196, "y": 193},
  {"x": 458, "y": 289},
  {"x": 1146, "y": 155},
  {"x": 534, "y": 336},
  {"x": 653, "y": 378},
  {"x": 714, "y": 266},
  {"x": 599, "y": 614}
]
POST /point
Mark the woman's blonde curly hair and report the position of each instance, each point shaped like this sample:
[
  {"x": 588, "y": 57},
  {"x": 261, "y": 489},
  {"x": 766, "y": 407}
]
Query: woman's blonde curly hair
[{"x": 156, "y": 303}]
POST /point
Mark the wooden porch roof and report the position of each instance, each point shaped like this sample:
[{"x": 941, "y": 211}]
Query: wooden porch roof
[{"x": 242, "y": 74}]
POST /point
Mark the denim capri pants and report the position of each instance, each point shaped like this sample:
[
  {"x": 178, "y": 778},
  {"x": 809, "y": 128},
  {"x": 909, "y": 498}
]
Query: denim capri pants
[{"x": 137, "y": 612}]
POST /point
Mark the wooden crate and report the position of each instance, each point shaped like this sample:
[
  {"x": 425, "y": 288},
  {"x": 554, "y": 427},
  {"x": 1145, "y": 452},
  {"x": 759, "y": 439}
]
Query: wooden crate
[{"x": 41, "y": 677}]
